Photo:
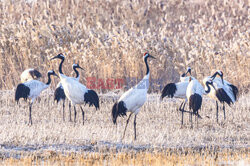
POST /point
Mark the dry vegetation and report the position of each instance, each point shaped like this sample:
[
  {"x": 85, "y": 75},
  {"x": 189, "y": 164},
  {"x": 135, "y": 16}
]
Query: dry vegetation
[
  {"x": 109, "y": 37},
  {"x": 160, "y": 136},
  {"x": 169, "y": 157}
]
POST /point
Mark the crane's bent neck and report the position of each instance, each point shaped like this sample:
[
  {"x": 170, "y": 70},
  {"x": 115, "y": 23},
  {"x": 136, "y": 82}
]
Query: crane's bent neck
[
  {"x": 208, "y": 88},
  {"x": 146, "y": 62},
  {"x": 60, "y": 66},
  {"x": 49, "y": 79},
  {"x": 77, "y": 73}
]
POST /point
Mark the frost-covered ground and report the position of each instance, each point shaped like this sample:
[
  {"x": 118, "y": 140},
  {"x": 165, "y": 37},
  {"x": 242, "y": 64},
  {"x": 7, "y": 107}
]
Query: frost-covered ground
[{"x": 158, "y": 127}]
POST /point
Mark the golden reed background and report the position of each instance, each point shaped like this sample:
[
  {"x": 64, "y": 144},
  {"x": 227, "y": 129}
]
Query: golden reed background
[{"x": 108, "y": 38}]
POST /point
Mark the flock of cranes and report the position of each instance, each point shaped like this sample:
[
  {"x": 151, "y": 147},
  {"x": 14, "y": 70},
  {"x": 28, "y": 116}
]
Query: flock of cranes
[
  {"x": 188, "y": 89},
  {"x": 192, "y": 91}
]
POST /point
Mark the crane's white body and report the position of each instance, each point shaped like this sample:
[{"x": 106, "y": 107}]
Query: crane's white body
[
  {"x": 73, "y": 90},
  {"x": 226, "y": 87},
  {"x": 178, "y": 90},
  {"x": 181, "y": 89},
  {"x": 36, "y": 87},
  {"x": 136, "y": 96},
  {"x": 60, "y": 84},
  {"x": 194, "y": 87}
]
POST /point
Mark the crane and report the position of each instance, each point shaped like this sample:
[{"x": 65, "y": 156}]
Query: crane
[
  {"x": 133, "y": 99},
  {"x": 178, "y": 90},
  {"x": 31, "y": 90},
  {"x": 194, "y": 95},
  {"x": 76, "y": 92},
  {"x": 59, "y": 92},
  {"x": 224, "y": 92}
]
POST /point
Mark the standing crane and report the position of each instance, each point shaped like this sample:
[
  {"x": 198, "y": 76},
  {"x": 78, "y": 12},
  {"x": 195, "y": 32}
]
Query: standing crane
[
  {"x": 224, "y": 92},
  {"x": 30, "y": 74},
  {"x": 178, "y": 90},
  {"x": 133, "y": 99},
  {"x": 31, "y": 90},
  {"x": 76, "y": 92},
  {"x": 59, "y": 92},
  {"x": 194, "y": 95}
]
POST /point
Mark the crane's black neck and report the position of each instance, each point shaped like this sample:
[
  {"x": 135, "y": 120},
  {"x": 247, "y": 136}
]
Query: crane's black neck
[
  {"x": 77, "y": 73},
  {"x": 146, "y": 62},
  {"x": 60, "y": 66},
  {"x": 221, "y": 76},
  {"x": 208, "y": 88},
  {"x": 49, "y": 79}
]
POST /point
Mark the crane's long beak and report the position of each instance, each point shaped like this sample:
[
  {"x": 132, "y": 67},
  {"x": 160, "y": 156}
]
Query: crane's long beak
[
  {"x": 56, "y": 75},
  {"x": 81, "y": 68},
  {"x": 213, "y": 85},
  {"x": 214, "y": 75},
  {"x": 150, "y": 56},
  {"x": 52, "y": 58},
  {"x": 222, "y": 80},
  {"x": 187, "y": 73}
]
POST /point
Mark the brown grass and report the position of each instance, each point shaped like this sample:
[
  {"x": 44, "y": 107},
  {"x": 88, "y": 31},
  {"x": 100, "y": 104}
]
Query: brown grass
[
  {"x": 108, "y": 38},
  {"x": 168, "y": 157},
  {"x": 160, "y": 138}
]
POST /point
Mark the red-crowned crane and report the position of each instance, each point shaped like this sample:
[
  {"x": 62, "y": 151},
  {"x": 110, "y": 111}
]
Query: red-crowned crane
[
  {"x": 223, "y": 92},
  {"x": 133, "y": 99},
  {"x": 194, "y": 95},
  {"x": 59, "y": 92},
  {"x": 178, "y": 90},
  {"x": 31, "y": 90},
  {"x": 30, "y": 74},
  {"x": 76, "y": 92}
]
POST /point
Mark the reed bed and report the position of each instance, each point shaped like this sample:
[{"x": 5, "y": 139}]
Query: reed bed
[{"x": 108, "y": 38}]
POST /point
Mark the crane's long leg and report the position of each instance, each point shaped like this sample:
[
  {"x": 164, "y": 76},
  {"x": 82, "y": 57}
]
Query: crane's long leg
[
  {"x": 126, "y": 125},
  {"x": 82, "y": 115},
  {"x": 182, "y": 116},
  {"x": 75, "y": 114},
  {"x": 135, "y": 127},
  {"x": 224, "y": 111},
  {"x": 180, "y": 109},
  {"x": 191, "y": 114},
  {"x": 217, "y": 107},
  {"x": 70, "y": 112},
  {"x": 197, "y": 118},
  {"x": 30, "y": 118},
  {"x": 63, "y": 109}
]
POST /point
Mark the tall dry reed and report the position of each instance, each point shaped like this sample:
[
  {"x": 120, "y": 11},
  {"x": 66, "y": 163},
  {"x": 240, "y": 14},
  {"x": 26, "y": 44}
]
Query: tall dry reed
[{"x": 108, "y": 38}]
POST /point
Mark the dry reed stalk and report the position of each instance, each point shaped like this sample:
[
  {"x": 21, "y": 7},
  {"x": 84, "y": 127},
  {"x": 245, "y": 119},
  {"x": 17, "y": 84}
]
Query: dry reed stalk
[{"x": 109, "y": 38}]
